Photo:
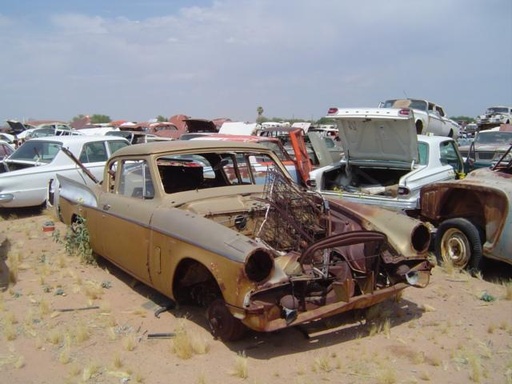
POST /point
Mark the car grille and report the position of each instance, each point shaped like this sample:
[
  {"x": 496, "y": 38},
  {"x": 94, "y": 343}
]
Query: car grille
[{"x": 485, "y": 155}]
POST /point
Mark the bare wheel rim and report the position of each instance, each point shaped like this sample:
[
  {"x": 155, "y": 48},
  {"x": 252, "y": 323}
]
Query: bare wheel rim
[
  {"x": 222, "y": 323},
  {"x": 455, "y": 248}
]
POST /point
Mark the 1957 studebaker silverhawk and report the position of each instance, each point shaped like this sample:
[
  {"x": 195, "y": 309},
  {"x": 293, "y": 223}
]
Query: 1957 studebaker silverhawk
[{"x": 222, "y": 225}]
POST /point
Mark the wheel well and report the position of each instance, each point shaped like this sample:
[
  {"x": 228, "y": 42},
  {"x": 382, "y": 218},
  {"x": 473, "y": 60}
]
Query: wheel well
[
  {"x": 195, "y": 284},
  {"x": 463, "y": 203},
  {"x": 419, "y": 127}
]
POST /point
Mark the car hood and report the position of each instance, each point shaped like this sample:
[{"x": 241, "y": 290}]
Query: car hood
[
  {"x": 16, "y": 126},
  {"x": 200, "y": 125},
  {"x": 371, "y": 135}
]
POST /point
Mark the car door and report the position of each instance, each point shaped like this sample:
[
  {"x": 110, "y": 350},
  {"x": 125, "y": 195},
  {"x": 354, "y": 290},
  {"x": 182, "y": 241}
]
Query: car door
[
  {"x": 436, "y": 125},
  {"x": 122, "y": 231},
  {"x": 450, "y": 155}
]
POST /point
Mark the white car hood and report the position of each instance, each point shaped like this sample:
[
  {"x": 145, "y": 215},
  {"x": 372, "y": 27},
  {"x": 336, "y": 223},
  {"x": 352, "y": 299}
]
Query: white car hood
[{"x": 370, "y": 135}]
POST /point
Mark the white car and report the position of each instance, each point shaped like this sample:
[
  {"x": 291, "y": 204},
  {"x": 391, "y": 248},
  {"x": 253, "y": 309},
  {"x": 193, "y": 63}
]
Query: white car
[
  {"x": 25, "y": 175},
  {"x": 386, "y": 163},
  {"x": 429, "y": 117},
  {"x": 6, "y": 149},
  {"x": 494, "y": 117}
]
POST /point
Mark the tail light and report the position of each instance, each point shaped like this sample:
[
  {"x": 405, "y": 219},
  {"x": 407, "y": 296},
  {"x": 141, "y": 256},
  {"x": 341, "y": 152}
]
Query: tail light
[{"x": 404, "y": 112}]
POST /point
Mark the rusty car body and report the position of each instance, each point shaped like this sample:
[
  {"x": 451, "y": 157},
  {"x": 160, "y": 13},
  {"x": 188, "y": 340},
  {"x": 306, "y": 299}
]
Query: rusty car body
[
  {"x": 200, "y": 223},
  {"x": 472, "y": 215}
]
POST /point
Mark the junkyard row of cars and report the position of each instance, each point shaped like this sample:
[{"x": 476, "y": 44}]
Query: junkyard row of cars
[{"x": 264, "y": 239}]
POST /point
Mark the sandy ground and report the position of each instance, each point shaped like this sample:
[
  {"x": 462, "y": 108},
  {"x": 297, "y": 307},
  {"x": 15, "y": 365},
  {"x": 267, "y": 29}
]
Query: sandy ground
[{"x": 62, "y": 321}]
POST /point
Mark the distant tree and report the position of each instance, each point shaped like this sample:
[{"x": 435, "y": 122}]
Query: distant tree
[
  {"x": 259, "y": 110},
  {"x": 98, "y": 119},
  {"x": 325, "y": 121},
  {"x": 78, "y": 117},
  {"x": 161, "y": 118}
]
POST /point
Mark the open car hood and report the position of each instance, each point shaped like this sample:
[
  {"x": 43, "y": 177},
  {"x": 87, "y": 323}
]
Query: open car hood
[
  {"x": 200, "y": 125},
  {"x": 16, "y": 126},
  {"x": 377, "y": 135}
]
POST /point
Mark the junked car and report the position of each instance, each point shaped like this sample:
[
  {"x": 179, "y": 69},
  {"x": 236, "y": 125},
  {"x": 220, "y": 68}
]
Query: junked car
[
  {"x": 322, "y": 149},
  {"x": 494, "y": 117},
  {"x": 386, "y": 163},
  {"x": 6, "y": 149},
  {"x": 487, "y": 147},
  {"x": 200, "y": 223},
  {"x": 429, "y": 117},
  {"x": 137, "y": 137},
  {"x": 473, "y": 216},
  {"x": 25, "y": 174}
]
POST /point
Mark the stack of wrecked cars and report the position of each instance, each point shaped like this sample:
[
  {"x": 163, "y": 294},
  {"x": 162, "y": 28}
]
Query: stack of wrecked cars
[{"x": 222, "y": 225}]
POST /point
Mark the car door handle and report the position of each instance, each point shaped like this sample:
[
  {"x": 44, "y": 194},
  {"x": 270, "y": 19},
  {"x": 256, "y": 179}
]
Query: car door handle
[{"x": 106, "y": 207}]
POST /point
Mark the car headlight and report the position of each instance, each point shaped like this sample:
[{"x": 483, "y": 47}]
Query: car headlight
[
  {"x": 259, "y": 265},
  {"x": 420, "y": 238}
]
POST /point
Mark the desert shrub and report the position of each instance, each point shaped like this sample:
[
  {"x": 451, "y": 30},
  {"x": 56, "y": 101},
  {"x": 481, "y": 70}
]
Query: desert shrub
[{"x": 77, "y": 242}]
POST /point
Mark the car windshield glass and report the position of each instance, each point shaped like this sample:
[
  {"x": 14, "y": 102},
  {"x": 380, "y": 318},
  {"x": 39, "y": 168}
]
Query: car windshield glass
[
  {"x": 39, "y": 151},
  {"x": 276, "y": 148},
  {"x": 494, "y": 138},
  {"x": 497, "y": 110}
]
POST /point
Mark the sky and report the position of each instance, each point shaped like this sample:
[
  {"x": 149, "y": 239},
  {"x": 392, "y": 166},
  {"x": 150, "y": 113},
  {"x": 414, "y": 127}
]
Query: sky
[{"x": 139, "y": 59}]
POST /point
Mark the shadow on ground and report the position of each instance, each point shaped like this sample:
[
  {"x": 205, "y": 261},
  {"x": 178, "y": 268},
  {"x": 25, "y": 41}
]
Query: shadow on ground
[{"x": 319, "y": 334}]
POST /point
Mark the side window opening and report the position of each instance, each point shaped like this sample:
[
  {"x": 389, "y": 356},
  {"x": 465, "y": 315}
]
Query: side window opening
[
  {"x": 449, "y": 156},
  {"x": 135, "y": 180},
  {"x": 93, "y": 152}
]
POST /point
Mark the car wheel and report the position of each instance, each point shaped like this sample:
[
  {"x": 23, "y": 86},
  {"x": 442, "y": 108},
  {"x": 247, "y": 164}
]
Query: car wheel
[
  {"x": 223, "y": 324},
  {"x": 458, "y": 241}
]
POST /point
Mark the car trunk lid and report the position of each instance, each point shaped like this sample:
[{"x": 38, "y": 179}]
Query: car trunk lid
[{"x": 376, "y": 135}]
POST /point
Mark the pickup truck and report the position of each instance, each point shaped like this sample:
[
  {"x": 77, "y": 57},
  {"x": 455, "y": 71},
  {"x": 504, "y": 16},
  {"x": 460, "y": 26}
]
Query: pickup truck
[{"x": 429, "y": 117}]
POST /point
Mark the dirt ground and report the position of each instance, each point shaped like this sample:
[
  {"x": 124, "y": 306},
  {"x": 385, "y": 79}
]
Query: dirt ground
[{"x": 62, "y": 321}]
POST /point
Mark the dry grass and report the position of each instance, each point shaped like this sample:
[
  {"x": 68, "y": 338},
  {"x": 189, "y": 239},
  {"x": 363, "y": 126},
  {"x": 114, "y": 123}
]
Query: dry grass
[
  {"x": 90, "y": 371},
  {"x": 13, "y": 263},
  {"x": 507, "y": 285},
  {"x": 240, "y": 368},
  {"x": 65, "y": 356},
  {"x": 322, "y": 364},
  {"x": 129, "y": 342},
  {"x": 186, "y": 344},
  {"x": 117, "y": 362},
  {"x": 386, "y": 375},
  {"x": 80, "y": 332},
  {"x": 93, "y": 290}
]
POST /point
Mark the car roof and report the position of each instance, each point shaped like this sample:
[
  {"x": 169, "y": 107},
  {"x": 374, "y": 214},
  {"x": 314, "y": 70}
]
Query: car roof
[
  {"x": 432, "y": 139},
  {"x": 242, "y": 138},
  {"x": 184, "y": 145},
  {"x": 78, "y": 138}
]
